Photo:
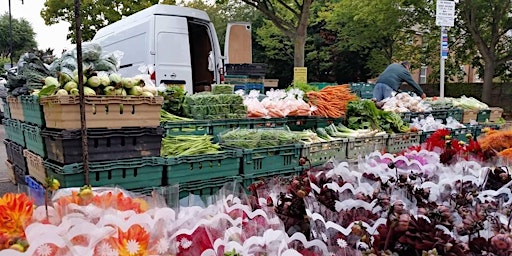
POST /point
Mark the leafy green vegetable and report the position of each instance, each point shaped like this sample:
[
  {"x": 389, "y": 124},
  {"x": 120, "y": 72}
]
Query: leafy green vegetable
[
  {"x": 185, "y": 145},
  {"x": 48, "y": 90},
  {"x": 259, "y": 138},
  {"x": 168, "y": 117},
  {"x": 363, "y": 114}
]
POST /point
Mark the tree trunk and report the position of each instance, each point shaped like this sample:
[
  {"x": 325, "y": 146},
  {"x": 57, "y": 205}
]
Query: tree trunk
[
  {"x": 300, "y": 44},
  {"x": 489, "y": 71},
  {"x": 301, "y": 34}
]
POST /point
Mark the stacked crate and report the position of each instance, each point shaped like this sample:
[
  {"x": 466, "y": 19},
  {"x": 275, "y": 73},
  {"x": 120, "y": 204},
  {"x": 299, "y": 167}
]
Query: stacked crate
[
  {"x": 123, "y": 137},
  {"x": 246, "y": 77},
  {"x": 203, "y": 174},
  {"x": 363, "y": 90},
  {"x": 15, "y": 141}
]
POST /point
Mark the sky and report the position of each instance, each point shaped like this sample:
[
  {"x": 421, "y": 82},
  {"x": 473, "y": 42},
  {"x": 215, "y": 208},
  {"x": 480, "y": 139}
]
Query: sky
[{"x": 46, "y": 36}]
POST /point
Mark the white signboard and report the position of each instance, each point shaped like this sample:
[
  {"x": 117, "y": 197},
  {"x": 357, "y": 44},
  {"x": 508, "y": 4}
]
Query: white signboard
[{"x": 445, "y": 13}]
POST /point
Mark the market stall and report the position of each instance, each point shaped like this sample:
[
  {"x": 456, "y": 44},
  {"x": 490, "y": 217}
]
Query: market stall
[{"x": 321, "y": 171}]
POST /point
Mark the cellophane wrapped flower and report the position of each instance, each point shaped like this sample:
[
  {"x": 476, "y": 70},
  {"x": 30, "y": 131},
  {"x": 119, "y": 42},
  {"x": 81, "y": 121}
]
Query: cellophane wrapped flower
[{"x": 15, "y": 214}]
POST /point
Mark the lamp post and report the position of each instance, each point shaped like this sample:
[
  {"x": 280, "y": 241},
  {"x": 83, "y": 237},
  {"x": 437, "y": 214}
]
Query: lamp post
[{"x": 10, "y": 33}]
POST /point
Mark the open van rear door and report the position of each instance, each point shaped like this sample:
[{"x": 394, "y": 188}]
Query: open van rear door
[{"x": 172, "y": 52}]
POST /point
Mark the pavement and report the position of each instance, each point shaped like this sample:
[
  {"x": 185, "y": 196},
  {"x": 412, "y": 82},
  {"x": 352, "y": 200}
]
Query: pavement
[{"x": 5, "y": 184}]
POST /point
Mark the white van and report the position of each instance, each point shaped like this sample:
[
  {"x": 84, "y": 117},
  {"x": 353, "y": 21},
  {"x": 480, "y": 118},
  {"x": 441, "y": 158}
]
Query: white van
[{"x": 179, "y": 42}]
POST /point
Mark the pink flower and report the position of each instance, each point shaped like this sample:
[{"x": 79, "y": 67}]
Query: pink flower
[{"x": 502, "y": 242}]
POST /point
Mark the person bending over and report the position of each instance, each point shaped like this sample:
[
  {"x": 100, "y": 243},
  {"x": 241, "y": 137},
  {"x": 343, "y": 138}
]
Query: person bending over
[{"x": 391, "y": 79}]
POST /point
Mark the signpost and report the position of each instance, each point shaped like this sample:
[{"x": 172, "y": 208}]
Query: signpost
[{"x": 445, "y": 17}]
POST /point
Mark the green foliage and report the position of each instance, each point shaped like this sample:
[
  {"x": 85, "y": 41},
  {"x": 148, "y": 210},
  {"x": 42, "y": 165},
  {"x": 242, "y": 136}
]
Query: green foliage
[
  {"x": 23, "y": 37},
  {"x": 3, "y": 61},
  {"x": 95, "y": 14}
]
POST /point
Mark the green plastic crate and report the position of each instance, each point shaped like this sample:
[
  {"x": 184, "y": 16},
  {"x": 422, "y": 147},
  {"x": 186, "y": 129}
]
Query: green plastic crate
[
  {"x": 438, "y": 114},
  {"x": 366, "y": 93},
  {"x": 34, "y": 139},
  {"x": 220, "y": 126},
  {"x": 14, "y": 131},
  {"x": 32, "y": 110},
  {"x": 301, "y": 123},
  {"x": 128, "y": 174},
  {"x": 455, "y": 113},
  {"x": 364, "y": 145},
  {"x": 257, "y": 123},
  {"x": 356, "y": 88},
  {"x": 477, "y": 130},
  {"x": 483, "y": 115},
  {"x": 321, "y": 85},
  {"x": 401, "y": 141},
  {"x": 321, "y": 152},
  {"x": 323, "y": 122},
  {"x": 269, "y": 159},
  {"x": 7, "y": 110},
  {"x": 202, "y": 167},
  {"x": 205, "y": 187},
  {"x": 186, "y": 127},
  {"x": 460, "y": 134},
  {"x": 408, "y": 116},
  {"x": 249, "y": 179}
]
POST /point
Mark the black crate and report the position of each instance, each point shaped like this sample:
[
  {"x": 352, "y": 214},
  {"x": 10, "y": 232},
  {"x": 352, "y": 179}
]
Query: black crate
[
  {"x": 251, "y": 70},
  {"x": 65, "y": 146},
  {"x": 19, "y": 175},
  {"x": 15, "y": 155}
]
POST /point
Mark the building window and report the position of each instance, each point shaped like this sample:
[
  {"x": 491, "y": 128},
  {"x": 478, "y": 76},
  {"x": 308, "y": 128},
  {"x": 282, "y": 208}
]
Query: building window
[{"x": 423, "y": 75}]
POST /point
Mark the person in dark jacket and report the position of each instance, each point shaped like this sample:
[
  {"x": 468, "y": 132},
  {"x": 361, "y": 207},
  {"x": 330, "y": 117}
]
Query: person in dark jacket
[{"x": 391, "y": 79}]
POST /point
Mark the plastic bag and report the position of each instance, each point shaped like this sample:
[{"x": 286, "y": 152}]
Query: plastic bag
[{"x": 90, "y": 51}]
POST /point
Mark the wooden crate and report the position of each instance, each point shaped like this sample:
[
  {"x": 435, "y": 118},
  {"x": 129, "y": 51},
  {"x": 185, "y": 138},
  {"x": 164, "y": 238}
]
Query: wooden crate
[
  {"x": 15, "y": 108},
  {"x": 35, "y": 165},
  {"x": 63, "y": 112},
  {"x": 496, "y": 114},
  {"x": 480, "y": 116},
  {"x": 271, "y": 82},
  {"x": 10, "y": 171}
]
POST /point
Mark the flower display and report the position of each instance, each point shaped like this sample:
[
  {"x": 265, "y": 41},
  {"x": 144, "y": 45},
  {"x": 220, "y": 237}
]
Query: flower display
[
  {"x": 440, "y": 198},
  {"x": 15, "y": 214}
]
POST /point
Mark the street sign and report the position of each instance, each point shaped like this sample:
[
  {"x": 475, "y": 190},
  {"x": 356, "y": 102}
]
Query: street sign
[
  {"x": 445, "y": 13},
  {"x": 444, "y": 44}
]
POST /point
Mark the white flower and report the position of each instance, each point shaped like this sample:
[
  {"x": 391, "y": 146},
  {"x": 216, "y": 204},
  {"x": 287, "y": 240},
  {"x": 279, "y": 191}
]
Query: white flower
[
  {"x": 132, "y": 246},
  {"x": 104, "y": 249},
  {"x": 185, "y": 243},
  {"x": 342, "y": 243},
  {"x": 44, "y": 250},
  {"x": 324, "y": 237},
  {"x": 162, "y": 246}
]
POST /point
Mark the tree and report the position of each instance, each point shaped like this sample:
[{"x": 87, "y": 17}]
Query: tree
[
  {"x": 290, "y": 17},
  {"x": 483, "y": 30},
  {"x": 95, "y": 14},
  {"x": 23, "y": 37},
  {"x": 383, "y": 31}
]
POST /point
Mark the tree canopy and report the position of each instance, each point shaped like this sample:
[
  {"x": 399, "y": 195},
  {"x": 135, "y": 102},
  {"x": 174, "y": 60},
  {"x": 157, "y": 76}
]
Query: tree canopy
[
  {"x": 483, "y": 34},
  {"x": 23, "y": 37},
  {"x": 95, "y": 14}
]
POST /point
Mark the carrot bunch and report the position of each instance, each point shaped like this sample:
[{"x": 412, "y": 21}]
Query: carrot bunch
[{"x": 331, "y": 101}]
